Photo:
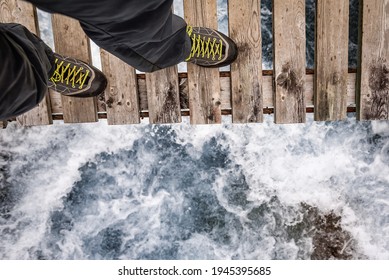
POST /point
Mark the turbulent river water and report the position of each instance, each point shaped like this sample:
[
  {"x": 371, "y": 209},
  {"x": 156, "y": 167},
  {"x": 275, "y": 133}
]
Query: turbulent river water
[{"x": 260, "y": 191}]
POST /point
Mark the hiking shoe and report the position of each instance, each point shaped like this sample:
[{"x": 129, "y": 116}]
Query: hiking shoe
[
  {"x": 73, "y": 77},
  {"x": 210, "y": 48}
]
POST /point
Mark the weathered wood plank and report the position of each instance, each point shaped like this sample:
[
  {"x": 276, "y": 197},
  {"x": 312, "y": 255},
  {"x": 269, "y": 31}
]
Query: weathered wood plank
[
  {"x": 204, "y": 83},
  {"x": 163, "y": 96},
  {"x": 373, "y": 70},
  {"x": 121, "y": 94},
  {"x": 246, "y": 72},
  {"x": 25, "y": 14},
  {"x": 331, "y": 59},
  {"x": 56, "y": 103},
  {"x": 70, "y": 40},
  {"x": 289, "y": 60}
]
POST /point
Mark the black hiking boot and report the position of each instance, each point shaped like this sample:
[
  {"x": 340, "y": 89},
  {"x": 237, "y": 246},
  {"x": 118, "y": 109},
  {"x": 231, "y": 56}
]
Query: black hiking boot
[
  {"x": 73, "y": 77},
  {"x": 210, "y": 48}
]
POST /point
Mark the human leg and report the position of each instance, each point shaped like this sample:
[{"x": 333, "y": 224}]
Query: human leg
[
  {"x": 145, "y": 34},
  {"x": 29, "y": 67},
  {"x": 25, "y": 65}
]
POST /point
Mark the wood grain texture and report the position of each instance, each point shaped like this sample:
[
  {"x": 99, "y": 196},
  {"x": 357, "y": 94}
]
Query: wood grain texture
[
  {"x": 70, "y": 40},
  {"x": 163, "y": 96},
  {"x": 267, "y": 84},
  {"x": 246, "y": 71},
  {"x": 225, "y": 89},
  {"x": 25, "y": 14},
  {"x": 121, "y": 95},
  {"x": 204, "y": 83},
  {"x": 331, "y": 59},
  {"x": 289, "y": 61},
  {"x": 373, "y": 68}
]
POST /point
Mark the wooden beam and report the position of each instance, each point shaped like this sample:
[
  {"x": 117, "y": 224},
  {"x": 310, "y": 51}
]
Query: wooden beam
[
  {"x": 121, "y": 95},
  {"x": 225, "y": 112},
  {"x": 25, "y": 14},
  {"x": 289, "y": 60},
  {"x": 163, "y": 96},
  {"x": 331, "y": 59},
  {"x": 268, "y": 102},
  {"x": 204, "y": 83},
  {"x": 246, "y": 72},
  {"x": 373, "y": 68},
  {"x": 70, "y": 40},
  {"x": 225, "y": 89}
]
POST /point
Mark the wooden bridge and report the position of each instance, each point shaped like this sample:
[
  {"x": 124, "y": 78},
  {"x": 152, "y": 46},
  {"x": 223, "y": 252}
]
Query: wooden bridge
[{"x": 246, "y": 92}]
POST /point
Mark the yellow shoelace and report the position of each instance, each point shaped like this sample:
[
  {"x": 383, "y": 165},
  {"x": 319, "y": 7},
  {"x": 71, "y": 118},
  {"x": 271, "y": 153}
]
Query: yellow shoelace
[
  {"x": 69, "y": 76},
  {"x": 204, "y": 47}
]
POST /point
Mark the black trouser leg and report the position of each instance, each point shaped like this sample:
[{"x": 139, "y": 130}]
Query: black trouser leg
[
  {"x": 25, "y": 65},
  {"x": 143, "y": 33}
]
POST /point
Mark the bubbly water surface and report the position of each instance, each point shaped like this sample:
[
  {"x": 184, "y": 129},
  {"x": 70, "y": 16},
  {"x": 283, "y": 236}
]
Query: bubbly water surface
[{"x": 261, "y": 191}]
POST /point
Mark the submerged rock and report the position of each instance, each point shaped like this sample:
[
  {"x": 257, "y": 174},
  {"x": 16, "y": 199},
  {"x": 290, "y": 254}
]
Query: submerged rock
[{"x": 330, "y": 241}]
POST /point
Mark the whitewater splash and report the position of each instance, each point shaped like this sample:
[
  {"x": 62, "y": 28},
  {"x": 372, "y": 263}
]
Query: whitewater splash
[
  {"x": 259, "y": 191},
  {"x": 262, "y": 191}
]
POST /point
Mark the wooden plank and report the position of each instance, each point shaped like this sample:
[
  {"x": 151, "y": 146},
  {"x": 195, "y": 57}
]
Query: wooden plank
[
  {"x": 246, "y": 72},
  {"x": 70, "y": 40},
  {"x": 25, "y": 14},
  {"x": 56, "y": 103},
  {"x": 204, "y": 83},
  {"x": 331, "y": 59},
  {"x": 373, "y": 68},
  {"x": 289, "y": 60},
  {"x": 122, "y": 92},
  {"x": 163, "y": 96}
]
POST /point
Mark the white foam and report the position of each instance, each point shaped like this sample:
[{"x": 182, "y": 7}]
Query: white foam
[{"x": 297, "y": 163}]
